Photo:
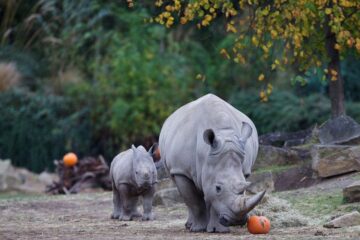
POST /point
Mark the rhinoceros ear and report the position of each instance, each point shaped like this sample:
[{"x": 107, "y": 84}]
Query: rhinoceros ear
[
  {"x": 154, "y": 152},
  {"x": 210, "y": 138},
  {"x": 246, "y": 132},
  {"x": 134, "y": 149}
]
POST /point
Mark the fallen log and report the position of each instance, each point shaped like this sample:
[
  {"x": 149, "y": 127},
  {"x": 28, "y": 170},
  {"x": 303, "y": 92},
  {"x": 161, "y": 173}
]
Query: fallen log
[{"x": 89, "y": 172}]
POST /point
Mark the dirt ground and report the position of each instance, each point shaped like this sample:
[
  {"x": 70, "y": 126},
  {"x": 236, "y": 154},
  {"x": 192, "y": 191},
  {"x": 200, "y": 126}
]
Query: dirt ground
[{"x": 87, "y": 216}]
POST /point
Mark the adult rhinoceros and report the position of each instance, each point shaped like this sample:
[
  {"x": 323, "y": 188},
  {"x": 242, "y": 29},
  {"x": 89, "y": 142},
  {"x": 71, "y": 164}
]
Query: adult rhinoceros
[{"x": 208, "y": 148}]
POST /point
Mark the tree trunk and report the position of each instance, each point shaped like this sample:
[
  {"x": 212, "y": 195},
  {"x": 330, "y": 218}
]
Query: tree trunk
[{"x": 336, "y": 86}]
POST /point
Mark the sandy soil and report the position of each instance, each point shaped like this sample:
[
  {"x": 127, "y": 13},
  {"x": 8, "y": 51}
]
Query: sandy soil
[{"x": 86, "y": 216}]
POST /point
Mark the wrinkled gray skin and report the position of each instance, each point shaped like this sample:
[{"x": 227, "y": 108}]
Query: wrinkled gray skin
[
  {"x": 209, "y": 147},
  {"x": 133, "y": 174}
]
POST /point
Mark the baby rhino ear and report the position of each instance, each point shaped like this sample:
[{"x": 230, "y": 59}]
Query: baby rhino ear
[
  {"x": 154, "y": 152},
  {"x": 133, "y": 148}
]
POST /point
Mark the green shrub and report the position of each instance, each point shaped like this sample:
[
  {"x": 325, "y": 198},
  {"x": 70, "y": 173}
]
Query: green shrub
[
  {"x": 286, "y": 112},
  {"x": 35, "y": 129}
]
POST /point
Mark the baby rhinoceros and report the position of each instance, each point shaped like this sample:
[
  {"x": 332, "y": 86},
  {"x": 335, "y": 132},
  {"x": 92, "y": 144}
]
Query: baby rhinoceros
[{"x": 133, "y": 174}]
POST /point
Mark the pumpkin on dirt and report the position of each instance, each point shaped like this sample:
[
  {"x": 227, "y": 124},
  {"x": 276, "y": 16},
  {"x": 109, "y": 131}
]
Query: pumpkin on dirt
[
  {"x": 70, "y": 159},
  {"x": 258, "y": 225}
]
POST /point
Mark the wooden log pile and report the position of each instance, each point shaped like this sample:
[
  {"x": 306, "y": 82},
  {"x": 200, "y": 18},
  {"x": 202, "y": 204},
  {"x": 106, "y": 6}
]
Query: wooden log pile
[{"x": 89, "y": 172}]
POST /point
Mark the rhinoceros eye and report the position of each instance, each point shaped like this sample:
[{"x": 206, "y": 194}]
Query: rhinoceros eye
[
  {"x": 218, "y": 189},
  {"x": 136, "y": 172}
]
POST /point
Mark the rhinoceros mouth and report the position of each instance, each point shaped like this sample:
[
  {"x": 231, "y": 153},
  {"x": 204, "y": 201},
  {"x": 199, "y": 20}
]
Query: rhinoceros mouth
[{"x": 230, "y": 221}]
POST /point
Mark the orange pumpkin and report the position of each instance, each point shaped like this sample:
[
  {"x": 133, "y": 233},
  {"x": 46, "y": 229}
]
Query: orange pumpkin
[
  {"x": 258, "y": 225},
  {"x": 70, "y": 159}
]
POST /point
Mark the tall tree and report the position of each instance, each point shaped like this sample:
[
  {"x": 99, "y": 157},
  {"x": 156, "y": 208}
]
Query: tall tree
[{"x": 305, "y": 33}]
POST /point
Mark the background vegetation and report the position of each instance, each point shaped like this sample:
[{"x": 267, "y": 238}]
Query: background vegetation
[{"x": 95, "y": 76}]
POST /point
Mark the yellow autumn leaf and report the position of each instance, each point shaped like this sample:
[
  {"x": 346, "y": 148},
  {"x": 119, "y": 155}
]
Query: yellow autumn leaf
[
  {"x": 255, "y": 41},
  {"x": 328, "y": 11},
  {"x": 225, "y": 53},
  {"x": 261, "y": 77},
  {"x": 183, "y": 20},
  {"x": 357, "y": 45}
]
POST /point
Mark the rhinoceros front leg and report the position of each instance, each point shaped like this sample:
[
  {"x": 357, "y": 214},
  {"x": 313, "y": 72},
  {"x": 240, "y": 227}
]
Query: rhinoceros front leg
[
  {"x": 197, "y": 220},
  {"x": 147, "y": 204},
  {"x": 214, "y": 223},
  {"x": 127, "y": 203},
  {"x": 117, "y": 204}
]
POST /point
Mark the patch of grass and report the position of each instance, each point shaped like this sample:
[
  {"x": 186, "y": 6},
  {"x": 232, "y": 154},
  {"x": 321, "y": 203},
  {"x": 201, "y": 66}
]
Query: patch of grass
[
  {"x": 319, "y": 205},
  {"x": 275, "y": 168},
  {"x": 18, "y": 196}
]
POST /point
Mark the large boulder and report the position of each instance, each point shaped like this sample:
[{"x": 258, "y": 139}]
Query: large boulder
[
  {"x": 19, "y": 179},
  {"x": 351, "y": 193},
  {"x": 269, "y": 156},
  {"x": 167, "y": 197},
  {"x": 8, "y": 177},
  {"x": 347, "y": 220},
  {"x": 340, "y": 130},
  {"x": 332, "y": 160}
]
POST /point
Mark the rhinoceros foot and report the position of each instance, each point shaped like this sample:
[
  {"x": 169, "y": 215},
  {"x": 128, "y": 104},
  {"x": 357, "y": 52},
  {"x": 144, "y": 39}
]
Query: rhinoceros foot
[
  {"x": 217, "y": 228},
  {"x": 115, "y": 216},
  {"x": 201, "y": 227},
  {"x": 148, "y": 217},
  {"x": 125, "y": 217}
]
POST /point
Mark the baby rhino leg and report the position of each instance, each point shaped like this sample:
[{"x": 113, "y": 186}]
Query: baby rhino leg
[
  {"x": 147, "y": 205},
  {"x": 126, "y": 203},
  {"x": 117, "y": 204}
]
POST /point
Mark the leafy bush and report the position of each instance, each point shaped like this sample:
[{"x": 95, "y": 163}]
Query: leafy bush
[
  {"x": 287, "y": 112},
  {"x": 35, "y": 129}
]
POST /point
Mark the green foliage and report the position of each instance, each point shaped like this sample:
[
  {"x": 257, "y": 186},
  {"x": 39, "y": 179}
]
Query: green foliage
[
  {"x": 138, "y": 84},
  {"x": 297, "y": 113},
  {"x": 36, "y": 129},
  {"x": 111, "y": 78}
]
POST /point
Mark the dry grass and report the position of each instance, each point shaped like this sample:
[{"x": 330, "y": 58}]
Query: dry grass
[
  {"x": 9, "y": 76},
  {"x": 86, "y": 216}
]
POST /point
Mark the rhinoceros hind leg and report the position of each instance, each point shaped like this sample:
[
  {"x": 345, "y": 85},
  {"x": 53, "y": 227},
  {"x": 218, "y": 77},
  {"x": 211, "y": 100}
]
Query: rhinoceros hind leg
[{"x": 197, "y": 220}]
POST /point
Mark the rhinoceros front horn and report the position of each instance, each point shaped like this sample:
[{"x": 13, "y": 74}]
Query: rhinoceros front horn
[{"x": 245, "y": 205}]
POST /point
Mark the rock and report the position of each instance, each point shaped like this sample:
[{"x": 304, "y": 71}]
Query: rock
[
  {"x": 351, "y": 193},
  {"x": 347, "y": 220},
  {"x": 332, "y": 160},
  {"x": 261, "y": 181},
  {"x": 48, "y": 178},
  {"x": 8, "y": 178},
  {"x": 341, "y": 129},
  {"x": 294, "y": 178},
  {"x": 269, "y": 156},
  {"x": 19, "y": 179},
  {"x": 287, "y": 138},
  {"x": 167, "y": 197}
]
